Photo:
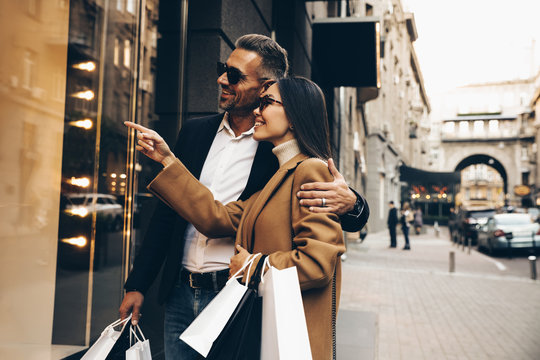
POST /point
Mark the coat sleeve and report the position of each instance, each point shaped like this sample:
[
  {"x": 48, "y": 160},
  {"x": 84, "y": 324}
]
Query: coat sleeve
[
  {"x": 317, "y": 242},
  {"x": 352, "y": 222},
  {"x": 181, "y": 191}
]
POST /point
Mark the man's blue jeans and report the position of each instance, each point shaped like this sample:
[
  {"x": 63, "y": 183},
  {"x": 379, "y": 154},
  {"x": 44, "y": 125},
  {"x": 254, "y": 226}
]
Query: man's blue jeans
[{"x": 182, "y": 308}]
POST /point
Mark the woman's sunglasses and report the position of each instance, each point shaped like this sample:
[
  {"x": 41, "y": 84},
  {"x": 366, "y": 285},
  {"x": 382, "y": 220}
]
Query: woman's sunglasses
[
  {"x": 233, "y": 74},
  {"x": 266, "y": 100}
]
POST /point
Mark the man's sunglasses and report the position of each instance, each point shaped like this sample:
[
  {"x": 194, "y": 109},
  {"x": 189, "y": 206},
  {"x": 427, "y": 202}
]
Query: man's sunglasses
[
  {"x": 233, "y": 74},
  {"x": 266, "y": 100}
]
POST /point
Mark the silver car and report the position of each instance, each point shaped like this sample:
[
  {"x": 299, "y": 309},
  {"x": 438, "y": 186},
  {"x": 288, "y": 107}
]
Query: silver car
[{"x": 503, "y": 231}]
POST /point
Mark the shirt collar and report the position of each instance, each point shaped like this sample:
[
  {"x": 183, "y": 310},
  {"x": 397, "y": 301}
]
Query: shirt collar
[{"x": 227, "y": 127}]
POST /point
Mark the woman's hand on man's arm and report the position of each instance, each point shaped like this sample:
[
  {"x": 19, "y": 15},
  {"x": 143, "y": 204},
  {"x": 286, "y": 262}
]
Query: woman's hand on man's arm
[{"x": 338, "y": 198}]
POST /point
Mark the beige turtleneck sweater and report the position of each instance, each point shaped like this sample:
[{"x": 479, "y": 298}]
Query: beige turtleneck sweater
[{"x": 286, "y": 151}]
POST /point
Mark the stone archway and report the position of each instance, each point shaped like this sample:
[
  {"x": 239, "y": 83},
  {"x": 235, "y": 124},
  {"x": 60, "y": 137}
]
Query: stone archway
[{"x": 488, "y": 160}]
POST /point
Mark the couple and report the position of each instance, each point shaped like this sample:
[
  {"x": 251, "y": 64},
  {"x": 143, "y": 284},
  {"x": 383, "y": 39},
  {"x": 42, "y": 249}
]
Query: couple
[{"x": 221, "y": 151}]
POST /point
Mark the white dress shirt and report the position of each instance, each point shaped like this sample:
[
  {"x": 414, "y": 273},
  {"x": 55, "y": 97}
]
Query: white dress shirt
[{"x": 225, "y": 173}]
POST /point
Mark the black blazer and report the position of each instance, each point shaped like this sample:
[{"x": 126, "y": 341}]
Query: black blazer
[
  {"x": 392, "y": 217},
  {"x": 164, "y": 239}
]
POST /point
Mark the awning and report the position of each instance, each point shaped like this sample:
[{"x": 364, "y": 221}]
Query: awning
[
  {"x": 416, "y": 176},
  {"x": 346, "y": 51}
]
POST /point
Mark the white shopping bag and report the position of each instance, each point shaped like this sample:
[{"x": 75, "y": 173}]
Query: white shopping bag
[
  {"x": 106, "y": 341},
  {"x": 206, "y": 327},
  {"x": 284, "y": 329},
  {"x": 140, "y": 350}
]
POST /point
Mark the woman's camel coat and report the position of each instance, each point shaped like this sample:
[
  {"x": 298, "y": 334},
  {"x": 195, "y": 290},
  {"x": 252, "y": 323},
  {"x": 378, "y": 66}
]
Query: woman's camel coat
[{"x": 272, "y": 222}]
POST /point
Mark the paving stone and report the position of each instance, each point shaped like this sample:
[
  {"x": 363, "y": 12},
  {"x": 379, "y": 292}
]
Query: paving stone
[{"x": 424, "y": 312}]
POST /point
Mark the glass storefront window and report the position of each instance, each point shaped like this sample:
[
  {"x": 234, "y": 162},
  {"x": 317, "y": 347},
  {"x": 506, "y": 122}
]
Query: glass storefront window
[{"x": 73, "y": 202}]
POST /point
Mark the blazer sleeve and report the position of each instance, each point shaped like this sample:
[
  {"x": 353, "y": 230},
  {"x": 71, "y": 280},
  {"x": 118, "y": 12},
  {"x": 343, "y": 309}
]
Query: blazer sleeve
[
  {"x": 352, "y": 221},
  {"x": 158, "y": 237},
  {"x": 180, "y": 190},
  {"x": 317, "y": 242}
]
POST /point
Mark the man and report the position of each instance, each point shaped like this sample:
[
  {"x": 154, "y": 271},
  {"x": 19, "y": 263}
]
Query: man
[
  {"x": 392, "y": 222},
  {"x": 220, "y": 151}
]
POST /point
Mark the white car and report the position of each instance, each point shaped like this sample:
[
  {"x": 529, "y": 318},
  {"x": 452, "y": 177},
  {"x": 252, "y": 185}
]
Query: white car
[
  {"x": 505, "y": 231},
  {"x": 105, "y": 206}
]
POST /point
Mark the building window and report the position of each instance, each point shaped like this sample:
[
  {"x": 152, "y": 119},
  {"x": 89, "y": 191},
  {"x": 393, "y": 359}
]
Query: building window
[
  {"x": 130, "y": 6},
  {"x": 116, "y": 55},
  {"x": 369, "y": 10},
  {"x": 120, "y": 6},
  {"x": 524, "y": 152},
  {"x": 525, "y": 178},
  {"x": 493, "y": 126},
  {"x": 449, "y": 127},
  {"x": 127, "y": 53},
  {"x": 29, "y": 70}
]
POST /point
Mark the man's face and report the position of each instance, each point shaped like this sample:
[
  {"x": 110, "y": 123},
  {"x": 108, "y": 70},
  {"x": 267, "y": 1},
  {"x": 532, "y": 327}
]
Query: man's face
[{"x": 242, "y": 97}]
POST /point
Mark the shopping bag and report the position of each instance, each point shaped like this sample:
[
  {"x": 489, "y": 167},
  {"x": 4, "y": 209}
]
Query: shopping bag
[
  {"x": 139, "y": 346},
  {"x": 101, "y": 348},
  {"x": 241, "y": 337},
  {"x": 284, "y": 329},
  {"x": 206, "y": 327}
]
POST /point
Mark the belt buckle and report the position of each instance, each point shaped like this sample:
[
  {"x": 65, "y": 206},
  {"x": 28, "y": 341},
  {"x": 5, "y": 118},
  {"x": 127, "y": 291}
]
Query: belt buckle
[{"x": 191, "y": 282}]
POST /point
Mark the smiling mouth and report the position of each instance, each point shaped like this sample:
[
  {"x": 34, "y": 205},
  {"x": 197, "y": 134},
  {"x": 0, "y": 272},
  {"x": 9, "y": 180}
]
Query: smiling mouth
[{"x": 226, "y": 92}]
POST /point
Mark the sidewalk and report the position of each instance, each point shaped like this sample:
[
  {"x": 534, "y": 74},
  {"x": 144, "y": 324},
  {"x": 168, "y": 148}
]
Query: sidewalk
[{"x": 398, "y": 304}]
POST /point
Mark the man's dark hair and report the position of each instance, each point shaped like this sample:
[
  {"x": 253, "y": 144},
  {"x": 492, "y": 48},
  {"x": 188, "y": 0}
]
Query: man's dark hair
[
  {"x": 305, "y": 108},
  {"x": 274, "y": 62}
]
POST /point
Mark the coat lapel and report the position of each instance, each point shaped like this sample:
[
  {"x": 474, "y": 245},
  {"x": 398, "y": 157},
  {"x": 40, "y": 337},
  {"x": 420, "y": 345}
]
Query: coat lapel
[{"x": 245, "y": 233}]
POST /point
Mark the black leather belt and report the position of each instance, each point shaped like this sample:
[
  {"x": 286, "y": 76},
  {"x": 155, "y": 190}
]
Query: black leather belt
[{"x": 215, "y": 280}]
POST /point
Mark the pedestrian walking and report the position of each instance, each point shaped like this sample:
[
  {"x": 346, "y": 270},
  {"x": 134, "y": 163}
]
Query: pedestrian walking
[
  {"x": 407, "y": 218},
  {"x": 392, "y": 222},
  {"x": 220, "y": 151},
  {"x": 292, "y": 116},
  {"x": 418, "y": 220}
]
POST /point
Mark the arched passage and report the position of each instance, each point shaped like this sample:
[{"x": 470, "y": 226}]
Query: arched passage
[{"x": 488, "y": 160}]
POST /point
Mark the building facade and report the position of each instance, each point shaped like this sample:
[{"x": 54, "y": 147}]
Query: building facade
[
  {"x": 490, "y": 124},
  {"x": 73, "y": 197}
]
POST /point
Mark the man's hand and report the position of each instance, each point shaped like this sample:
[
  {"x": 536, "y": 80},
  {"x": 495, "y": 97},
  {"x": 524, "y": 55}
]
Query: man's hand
[
  {"x": 338, "y": 198},
  {"x": 151, "y": 144},
  {"x": 238, "y": 260},
  {"x": 132, "y": 303}
]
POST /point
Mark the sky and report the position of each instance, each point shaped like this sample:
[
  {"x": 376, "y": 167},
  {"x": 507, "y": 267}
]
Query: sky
[{"x": 463, "y": 42}]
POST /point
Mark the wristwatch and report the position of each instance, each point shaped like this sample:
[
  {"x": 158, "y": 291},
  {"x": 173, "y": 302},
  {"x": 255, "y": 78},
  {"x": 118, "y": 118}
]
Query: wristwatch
[{"x": 358, "y": 208}]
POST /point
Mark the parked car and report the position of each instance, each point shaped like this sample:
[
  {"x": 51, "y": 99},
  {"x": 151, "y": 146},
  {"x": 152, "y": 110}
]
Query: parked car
[
  {"x": 469, "y": 220},
  {"x": 76, "y": 226},
  {"x": 109, "y": 212},
  {"x": 503, "y": 231}
]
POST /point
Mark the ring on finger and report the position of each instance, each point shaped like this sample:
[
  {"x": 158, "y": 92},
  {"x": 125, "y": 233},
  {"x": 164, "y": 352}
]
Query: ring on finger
[{"x": 323, "y": 200}]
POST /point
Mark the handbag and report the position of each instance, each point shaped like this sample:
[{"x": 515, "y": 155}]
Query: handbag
[
  {"x": 207, "y": 326},
  {"x": 103, "y": 345},
  {"x": 140, "y": 350},
  {"x": 284, "y": 329},
  {"x": 241, "y": 337}
]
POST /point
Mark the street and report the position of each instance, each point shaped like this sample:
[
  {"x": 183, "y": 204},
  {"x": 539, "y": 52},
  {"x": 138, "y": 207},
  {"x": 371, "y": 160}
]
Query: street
[{"x": 399, "y": 304}]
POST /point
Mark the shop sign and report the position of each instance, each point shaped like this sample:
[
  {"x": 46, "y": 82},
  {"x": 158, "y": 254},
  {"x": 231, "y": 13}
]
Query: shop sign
[{"x": 522, "y": 190}]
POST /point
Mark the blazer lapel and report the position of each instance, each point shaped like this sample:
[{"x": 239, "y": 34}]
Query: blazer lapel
[
  {"x": 200, "y": 144},
  {"x": 245, "y": 233}
]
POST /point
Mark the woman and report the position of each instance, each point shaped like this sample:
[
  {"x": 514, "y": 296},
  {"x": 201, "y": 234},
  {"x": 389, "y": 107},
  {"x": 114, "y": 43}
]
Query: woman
[
  {"x": 406, "y": 218},
  {"x": 292, "y": 116},
  {"x": 418, "y": 221}
]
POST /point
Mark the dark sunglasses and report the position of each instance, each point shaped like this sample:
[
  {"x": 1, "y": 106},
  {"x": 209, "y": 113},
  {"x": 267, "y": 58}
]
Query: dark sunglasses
[
  {"x": 233, "y": 74},
  {"x": 266, "y": 100}
]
